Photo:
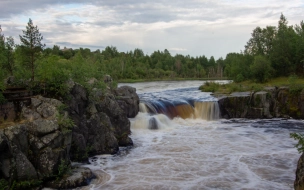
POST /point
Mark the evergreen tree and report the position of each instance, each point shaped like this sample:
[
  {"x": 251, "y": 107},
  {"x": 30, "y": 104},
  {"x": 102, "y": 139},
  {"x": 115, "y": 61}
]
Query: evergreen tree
[
  {"x": 282, "y": 53},
  {"x": 31, "y": 47},
  {"x": 8, "y": 62}
]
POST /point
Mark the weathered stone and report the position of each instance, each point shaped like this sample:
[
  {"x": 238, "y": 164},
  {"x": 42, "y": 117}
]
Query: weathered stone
[
  {"x": 101, "y": 138},
  {"x": 30, "y": 114},
  {"x": 17, "y": 136},
  {"x": 79, "y": 177},
  {"x": 299, "y": 181},
  {"x": 53, "y": 140},
  {"x": 48, "y": 160},
  {"x": 35, "y": 143},
  {"x": 273, "y": 102},
  {"x": 119, "y": 121},
  {"x": 128, "y": 100},
  {"x": 153, "y": 124},
  {"x": 5, "y": 156},
  {"x": 35, "y": 102},
  {"x": 24, "y": 168},
  {"x": 41, "y": 127},
  {"x": 78, "y": 148},
  {"x": 47, "y": 110}
]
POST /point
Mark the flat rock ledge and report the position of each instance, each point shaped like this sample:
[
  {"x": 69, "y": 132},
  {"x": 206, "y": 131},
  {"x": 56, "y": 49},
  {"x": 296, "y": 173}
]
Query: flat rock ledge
[{"x": 80, "y": 176}]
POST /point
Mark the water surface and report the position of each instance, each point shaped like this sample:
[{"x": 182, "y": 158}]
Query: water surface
[{"x": 193, "y": 153}]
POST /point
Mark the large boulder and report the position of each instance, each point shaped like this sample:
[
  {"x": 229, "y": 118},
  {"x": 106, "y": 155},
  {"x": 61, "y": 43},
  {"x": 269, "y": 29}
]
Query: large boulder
[
  {"x": 128, "y": 100},
  {"x": 272, "y": 102},
  {"x": 34, "y": 149},
  {"x": 299, "y": 181},
  {"x": 101, "y": 125}
]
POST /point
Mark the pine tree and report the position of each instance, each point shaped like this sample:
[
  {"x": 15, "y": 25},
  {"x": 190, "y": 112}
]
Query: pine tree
[{"x": 31, "y": 47}]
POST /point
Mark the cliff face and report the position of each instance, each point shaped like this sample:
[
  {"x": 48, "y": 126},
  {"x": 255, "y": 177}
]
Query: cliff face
[
  {"x": 273, "y": 102},
  {"x": 101, "y": 120},
  {"x": 52, "y": 134},
  {"x": 36, "y": 148}
]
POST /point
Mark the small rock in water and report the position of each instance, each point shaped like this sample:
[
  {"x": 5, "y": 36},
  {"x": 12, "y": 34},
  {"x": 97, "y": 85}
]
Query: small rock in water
[{"x": 153, "y": 124}]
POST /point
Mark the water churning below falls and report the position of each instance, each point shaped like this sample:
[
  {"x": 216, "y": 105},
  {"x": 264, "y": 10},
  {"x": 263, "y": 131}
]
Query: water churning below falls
[{"x": 190, "y": 148}]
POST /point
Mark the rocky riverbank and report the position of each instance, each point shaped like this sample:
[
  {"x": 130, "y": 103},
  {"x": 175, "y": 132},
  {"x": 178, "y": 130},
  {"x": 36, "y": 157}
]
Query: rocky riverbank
[
  {"x": 273, "y": 102},
  {"x": 270, "y": 103},
  {"x": 38, "y": 150}
]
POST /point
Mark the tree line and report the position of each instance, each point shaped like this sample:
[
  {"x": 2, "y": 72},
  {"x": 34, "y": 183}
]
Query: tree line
[{"x": 270, "y": 52}]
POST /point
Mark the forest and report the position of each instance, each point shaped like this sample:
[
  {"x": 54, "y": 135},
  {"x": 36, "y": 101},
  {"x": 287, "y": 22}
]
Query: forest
[{"x": 273, "y": 51}]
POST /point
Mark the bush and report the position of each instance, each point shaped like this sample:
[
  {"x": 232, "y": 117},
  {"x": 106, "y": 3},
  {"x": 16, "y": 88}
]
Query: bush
[
  {"x": 210, "y": 87},
  {"x": 261, "y": 69},
  {"x": 300, "y": 144},
  {"x": 294, "y": 87}
]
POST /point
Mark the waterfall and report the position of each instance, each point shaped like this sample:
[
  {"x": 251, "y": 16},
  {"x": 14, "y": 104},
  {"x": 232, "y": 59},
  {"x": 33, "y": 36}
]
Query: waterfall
[
  {"x": 207, "y": 110},
  {"x": 199, "y": 110}
]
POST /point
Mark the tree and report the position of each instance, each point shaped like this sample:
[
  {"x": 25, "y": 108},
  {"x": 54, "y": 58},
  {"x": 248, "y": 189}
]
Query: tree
[
  {"x": 31, "y": 47},
  {"x": 9, "y": 61},
  {"x": 261, "y": 69},
  {"x": 299, "y": 54},
  {"x": 282, "y": 53},
  {"x": 2, "y": 86},
  {"x": 261, "y": 41}
]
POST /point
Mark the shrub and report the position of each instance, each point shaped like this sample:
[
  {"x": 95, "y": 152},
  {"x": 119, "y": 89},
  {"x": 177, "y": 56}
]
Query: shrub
[
  {"x": 210, "y": 87},
  {"x": 261, "y": 69},
  {"x": 300, "y": 144}
]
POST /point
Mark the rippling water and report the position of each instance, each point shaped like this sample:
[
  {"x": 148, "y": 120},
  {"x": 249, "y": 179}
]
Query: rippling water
[{"x": 198, "y": 154}]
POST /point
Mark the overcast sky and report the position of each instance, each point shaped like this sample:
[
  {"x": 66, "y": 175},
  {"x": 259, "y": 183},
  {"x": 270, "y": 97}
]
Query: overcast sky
[{"x": 194, "y": 27}]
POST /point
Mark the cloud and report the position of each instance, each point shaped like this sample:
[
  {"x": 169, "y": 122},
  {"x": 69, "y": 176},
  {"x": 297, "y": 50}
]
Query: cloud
[{"x": 208, "y": 27}]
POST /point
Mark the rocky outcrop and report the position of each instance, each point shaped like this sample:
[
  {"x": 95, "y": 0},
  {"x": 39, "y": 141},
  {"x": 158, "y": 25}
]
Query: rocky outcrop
[
  {"x": 128, "y": 100},
  {"x": 101, "y": 123},
  {"x": 299, "y": 181},
  {"x": 35, "y": 148},
  {"x": 272, "y": 102},
  {"x": 77, "y": 177}
]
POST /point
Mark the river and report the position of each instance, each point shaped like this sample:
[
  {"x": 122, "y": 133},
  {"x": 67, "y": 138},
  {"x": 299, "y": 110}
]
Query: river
[{"x": 181, "y": 143}]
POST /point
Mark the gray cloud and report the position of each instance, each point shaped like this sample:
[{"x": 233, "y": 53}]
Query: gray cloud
[{"x": 195, "y": 27}]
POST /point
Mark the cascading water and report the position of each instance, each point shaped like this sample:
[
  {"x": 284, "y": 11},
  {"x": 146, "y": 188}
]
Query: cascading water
[{"x": 180, "y": 143}]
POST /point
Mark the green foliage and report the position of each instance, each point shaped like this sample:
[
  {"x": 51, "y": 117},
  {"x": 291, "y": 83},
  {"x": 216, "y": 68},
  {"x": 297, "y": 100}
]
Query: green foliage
[
  {"x": 4, "y": 184},
  {"x": 294, "y": 87},
  {"x": 63, "y": 169},
  {"x": 31, "y": 47},
  {"x": 52, "y": 74},
  {"x": 261, "y": 69},
  {"x": 65, "y": 123},
  {"x": 210, "y": 87},
  {"x": 300, "y": 144},
  {"x": 29, "y": 184}
]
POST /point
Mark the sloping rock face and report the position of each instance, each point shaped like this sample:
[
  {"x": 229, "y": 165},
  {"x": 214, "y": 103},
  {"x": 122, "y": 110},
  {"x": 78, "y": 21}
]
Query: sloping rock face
[
  {"x": 101, "y": 123},
  {"x": 299, "y": 181},
  {"x": 34, "y": 149},
  {"x": 128, "y": 100},
  {"x": 272, "y": 102}
]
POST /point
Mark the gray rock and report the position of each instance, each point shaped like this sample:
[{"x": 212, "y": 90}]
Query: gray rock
[
  {"x": 30, "y": 114},
  {"x": 53, "y": 140},
  {"x": 47, "y": 110},
  {"x": 41, "y": 127},
  {"x": 299, "y": 181},
  {"x": 35, "y": 102},
  {"x": 128, "y": 100},
  {"x": 48, "y": 160},
  {"x": 24, "y": 168},
  {"x": 18, "y": 137},
  {"x": 153, "y": 124},
  {"x": 78, "y": 177}
]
